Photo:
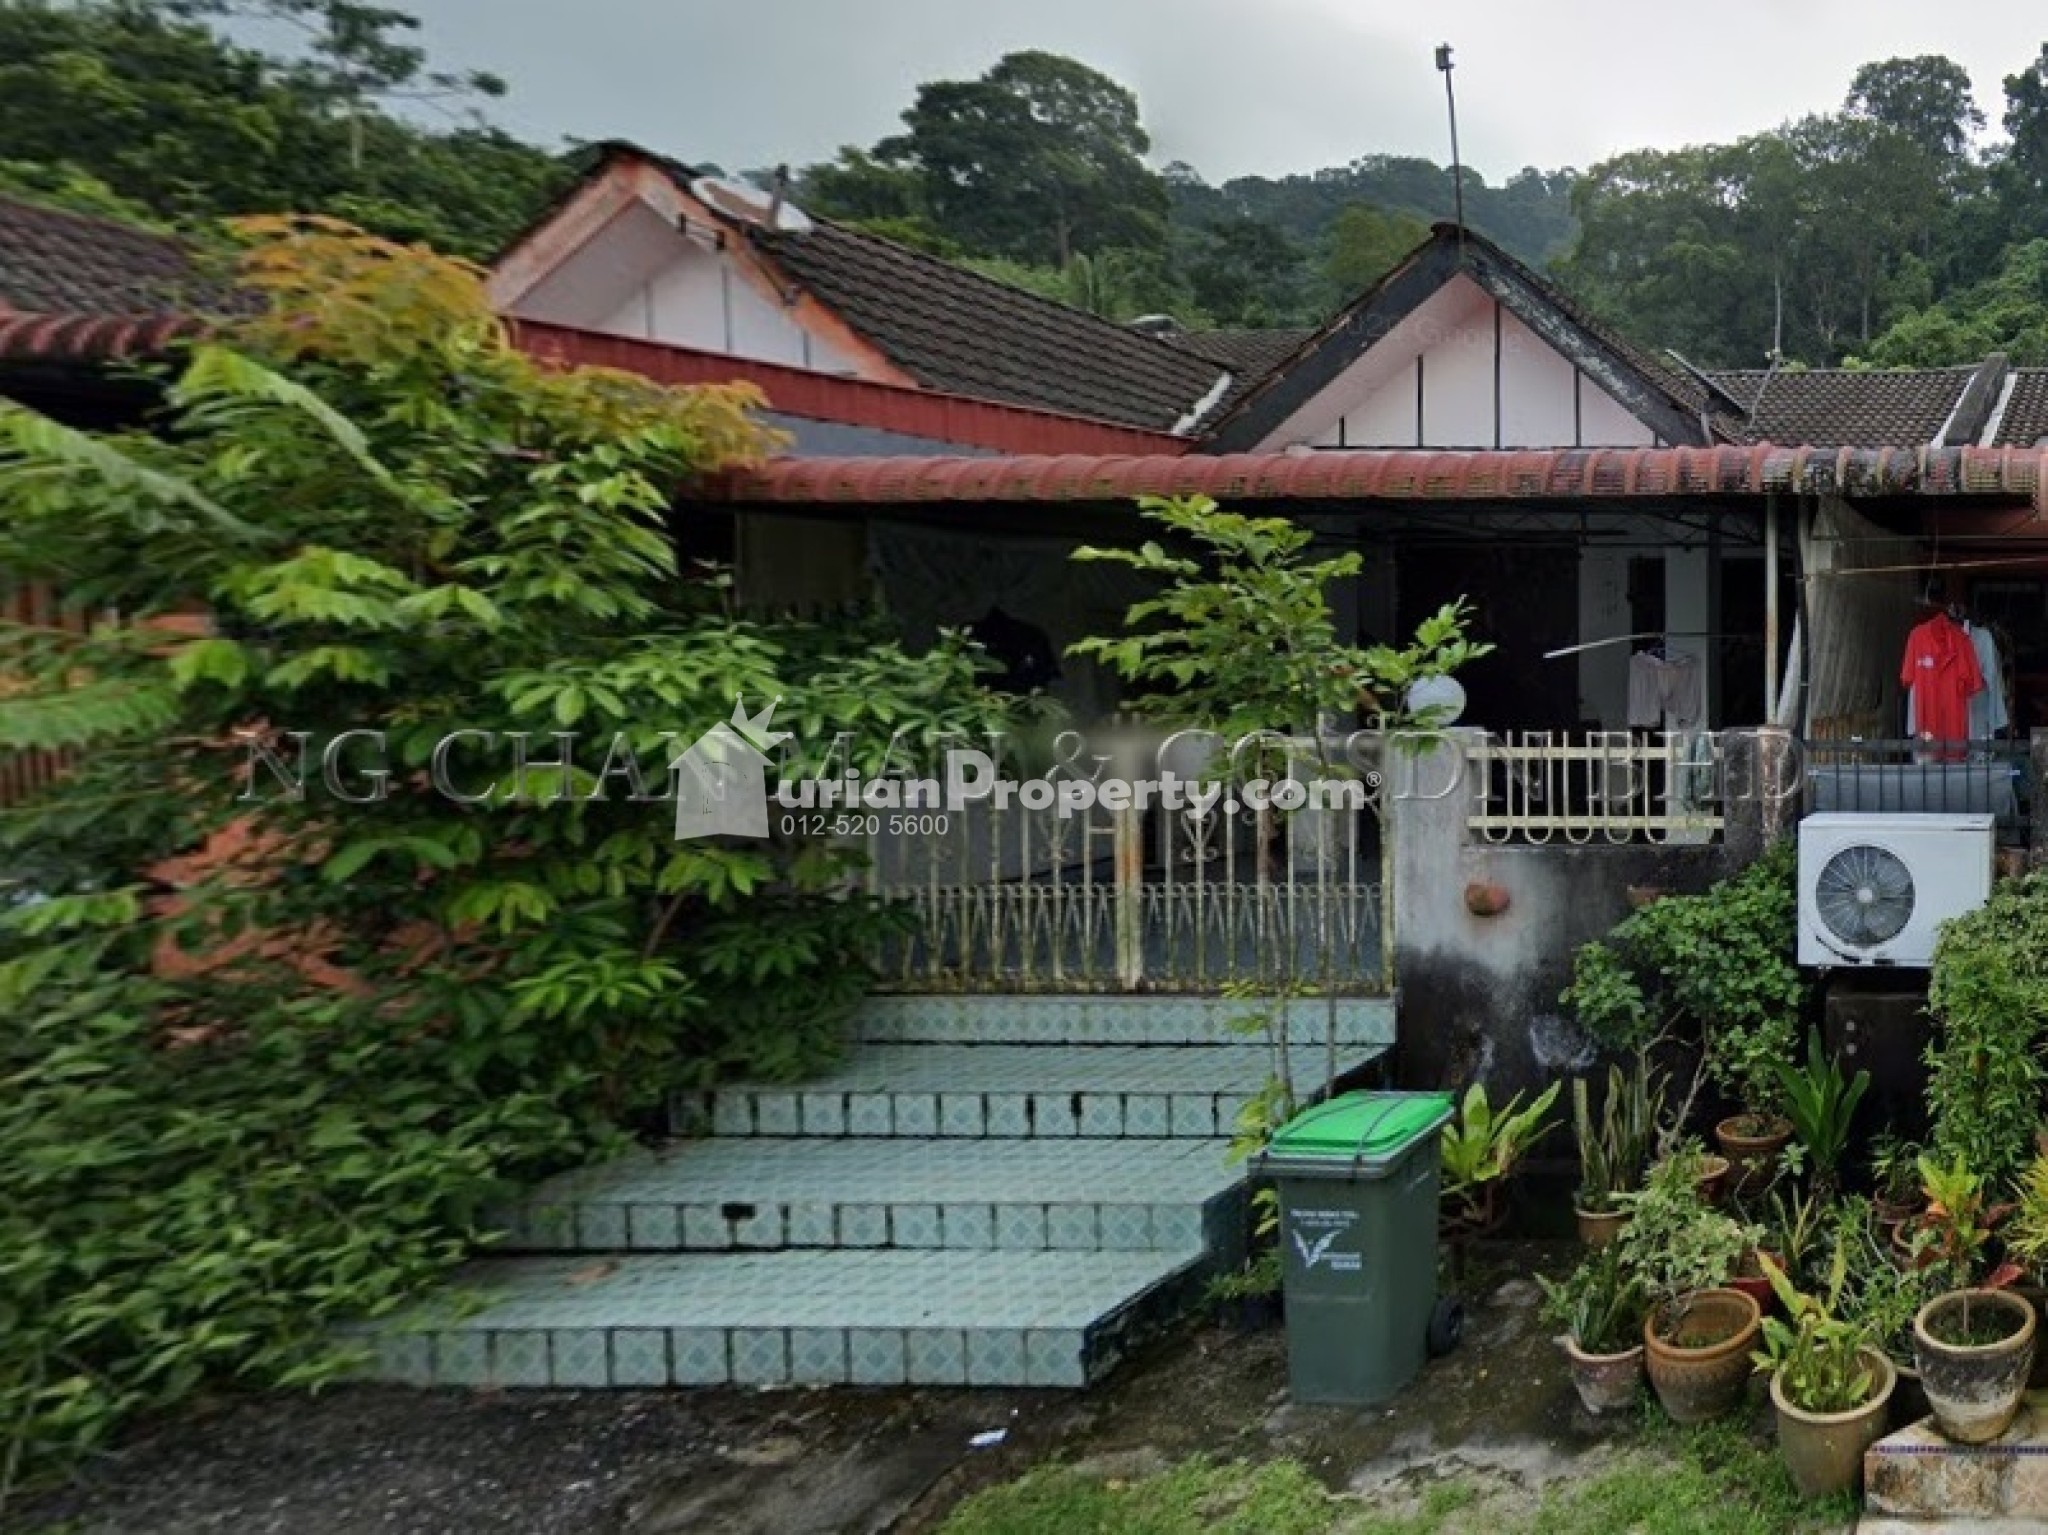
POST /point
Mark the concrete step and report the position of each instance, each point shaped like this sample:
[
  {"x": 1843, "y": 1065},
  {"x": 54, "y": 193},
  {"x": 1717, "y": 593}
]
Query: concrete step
[
  {"x": 1129, "y": 1020},
  {"x": 1917, "y": 1474},
  {"x": 1011, "y": 1092},
  {"x": 755, "y": 1194},
  {"x": 787, "y": 1318}
]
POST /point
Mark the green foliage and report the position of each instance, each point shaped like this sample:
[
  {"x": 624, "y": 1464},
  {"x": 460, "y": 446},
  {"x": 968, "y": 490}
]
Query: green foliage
[
  {"x": 1600, "y": 1304},
  {"x": 269, "y": 1089},
  {"x": 120, "y": 105},
  {"x": 1482, "y": 1145},
  {"x": 1815, "y": 1351},
  {"x": 1821, "y": 1103},
  {"x": 1953, "y": 1234},
  {"x": 1675, "y": 1242},
  {"x": 1718, "y": 967},
  {"x": 1039, "y": 159},
  {"x": 2026, "y": 1233},
  {"x": 1366, "y": 243},
  {"x": 1613, "y": 1154},
  {"x": 1242, "y": 638},
  {"x": 1988, "y": 992}
]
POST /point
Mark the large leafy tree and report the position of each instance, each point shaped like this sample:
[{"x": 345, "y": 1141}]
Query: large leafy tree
[
  {"x": 1366, "y": 243},
  {"x": 265, "y": 1055},
  {"x": 1037, "y": 160},
  {"x": 1927, "y": 98},
  {"x": 140, "y": 104}
]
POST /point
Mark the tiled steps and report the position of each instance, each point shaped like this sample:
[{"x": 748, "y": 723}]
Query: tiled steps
[
  {"x": 971, "y": 1092},
  {"x": 1917, "y": 1474},
  {"x": 996, "y": 1191},
  {"x": 1008, "y": 1196},
  {"x": 816, "y": 1318}
]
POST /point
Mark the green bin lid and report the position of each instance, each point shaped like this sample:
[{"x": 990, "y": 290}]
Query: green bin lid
[{"x": 1368, "y": 1127}]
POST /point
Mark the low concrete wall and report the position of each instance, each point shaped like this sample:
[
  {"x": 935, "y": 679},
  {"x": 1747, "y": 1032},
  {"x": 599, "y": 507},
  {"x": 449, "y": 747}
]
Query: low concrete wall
[{"x": 1484, "y": 934}]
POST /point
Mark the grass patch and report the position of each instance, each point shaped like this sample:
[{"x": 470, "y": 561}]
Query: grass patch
[
  {"x": 1197, "y": 1497},
  {"x": 1719, "y": 1479}
]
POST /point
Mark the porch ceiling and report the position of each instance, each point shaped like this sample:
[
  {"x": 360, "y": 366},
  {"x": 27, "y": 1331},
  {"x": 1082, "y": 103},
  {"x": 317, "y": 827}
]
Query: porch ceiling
[{"x": 1729, "y": 475}]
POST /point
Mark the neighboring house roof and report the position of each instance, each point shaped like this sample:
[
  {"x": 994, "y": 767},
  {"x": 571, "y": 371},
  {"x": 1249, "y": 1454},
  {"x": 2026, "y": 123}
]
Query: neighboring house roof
[
  {"x": 1679, "y": 407},
  {"x": 2023, "y": 420},
  {"x": 76, "y": 286},
  {"x": 950, "y": 421},
  {"x": 950, "y": 328},
  {"x": 953, "y": 329},
  {"x": 1567, "y": 474},
  {"x": 1835, "y": 407},
  {"x": 57, "y": 262},
  {"x": 1252, "y": 354}
]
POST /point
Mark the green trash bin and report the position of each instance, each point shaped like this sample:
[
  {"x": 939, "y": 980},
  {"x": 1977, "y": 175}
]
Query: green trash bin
[{"x": 1357, "y": 1178}]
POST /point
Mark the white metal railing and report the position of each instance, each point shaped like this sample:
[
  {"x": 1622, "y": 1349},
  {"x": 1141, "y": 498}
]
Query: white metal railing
[
  {"x": 1132, "y": 900},
  {"x": 1605, "y": 787}
]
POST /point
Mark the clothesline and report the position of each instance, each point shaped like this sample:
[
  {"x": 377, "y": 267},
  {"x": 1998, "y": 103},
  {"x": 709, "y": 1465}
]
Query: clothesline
[{"x": 1649, "y": 634}]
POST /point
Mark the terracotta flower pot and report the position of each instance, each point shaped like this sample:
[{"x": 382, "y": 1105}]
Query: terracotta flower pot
[
  {"x": 1700, "y": 1368},
  {"x": 1824, "y": 1451},
  {"x": 1605, "y": 1382},
  {"x": 1599, "y": 1227},
  {"x": 1751, "y": 1280},
  {"x": 1974, "y": 1388},
  {"x": 1751, "y": 1145},
  {"x": 1714, "y": 1179}
]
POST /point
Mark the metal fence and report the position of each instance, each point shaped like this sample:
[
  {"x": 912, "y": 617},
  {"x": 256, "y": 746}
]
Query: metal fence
[
  {"x": 1152, "y": 899},
  {"x": 1605, "y": 787},
  {"x": 1900, "y": 777}
]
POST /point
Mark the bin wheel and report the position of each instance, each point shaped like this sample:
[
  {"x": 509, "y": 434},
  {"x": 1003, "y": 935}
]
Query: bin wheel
[{"x": 1446, "y": 1326}]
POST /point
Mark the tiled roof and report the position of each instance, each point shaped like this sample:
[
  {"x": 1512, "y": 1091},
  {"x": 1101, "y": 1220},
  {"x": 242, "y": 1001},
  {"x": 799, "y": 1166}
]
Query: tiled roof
[
  {"x": 2025, "y": 422},
  {"x": 1835, "y": 407},
  {"x": 954, "y": 329},
  {"x": 1551, "y": 474},
  {"x": 55, "y": 262},
  {"x": 1251, "y": 354}
]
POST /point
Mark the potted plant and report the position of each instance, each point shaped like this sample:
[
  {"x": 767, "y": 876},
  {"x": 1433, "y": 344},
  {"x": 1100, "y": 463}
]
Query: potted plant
[
  {"x": 1697, "y": 1334},
  {"x": 1600, "y": 1307},
  {"x": 1830, "y": 1387},
  {"x": 1895, "y": 1178},
  {"x": 1819, "y": 1105},
  {"x": 1746, "y": 1061},
  {"x": 1613, "y": 1154},
  {"x": 1482, "y": 1147},
  {"x": 1974, "y": 1343}
]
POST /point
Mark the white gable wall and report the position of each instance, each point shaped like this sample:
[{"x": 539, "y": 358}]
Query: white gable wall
[
  {"x": 641, "y": 276},
  {"x": 1459, "y": 371}
]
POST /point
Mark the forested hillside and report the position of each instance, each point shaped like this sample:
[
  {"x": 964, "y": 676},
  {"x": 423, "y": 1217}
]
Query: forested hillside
[{"x": 1908, "y": 227}]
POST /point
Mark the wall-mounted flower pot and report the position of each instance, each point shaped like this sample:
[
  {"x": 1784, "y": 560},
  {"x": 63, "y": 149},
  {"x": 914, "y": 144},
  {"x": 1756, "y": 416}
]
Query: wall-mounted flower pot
[
  {"x": 1974, "y": 1381},
  {"x": 1751, "y": 1144},
  {"x": 1599, "y": 1227},
  {"x": 1605, "y": 1382},
  {"x": 1699, "y": 1367},
  {"x": 1824, "y": 1450}
]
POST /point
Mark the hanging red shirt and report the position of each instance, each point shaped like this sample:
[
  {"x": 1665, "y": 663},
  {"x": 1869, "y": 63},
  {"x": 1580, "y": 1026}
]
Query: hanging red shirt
[{"x": 1941, "y": 673}]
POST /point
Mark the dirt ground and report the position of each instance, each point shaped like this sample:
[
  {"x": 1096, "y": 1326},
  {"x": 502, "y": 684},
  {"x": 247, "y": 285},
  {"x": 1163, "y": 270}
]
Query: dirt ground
[{"x": 808, "y": 1462}]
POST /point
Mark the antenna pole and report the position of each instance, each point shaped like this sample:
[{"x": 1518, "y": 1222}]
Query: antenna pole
[{"x": 1443, "y": 63}]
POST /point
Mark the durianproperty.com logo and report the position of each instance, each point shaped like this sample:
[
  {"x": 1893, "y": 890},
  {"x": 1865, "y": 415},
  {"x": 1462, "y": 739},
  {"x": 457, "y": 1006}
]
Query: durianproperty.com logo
[{"x": 737, "y": 779}]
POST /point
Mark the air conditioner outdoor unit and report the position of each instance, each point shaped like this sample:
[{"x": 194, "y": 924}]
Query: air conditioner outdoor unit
[{"x": 1873, "y": 888}]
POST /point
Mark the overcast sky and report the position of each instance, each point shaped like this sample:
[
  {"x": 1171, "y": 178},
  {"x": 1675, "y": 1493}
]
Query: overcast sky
[{"x": 1231, "y": 86}]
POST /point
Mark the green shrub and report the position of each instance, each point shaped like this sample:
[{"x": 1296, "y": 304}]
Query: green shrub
[
  {"x": 1989, "y": 996},
  {"x": 396, "y": 522},
  {"x": 1717, "y": 969}
]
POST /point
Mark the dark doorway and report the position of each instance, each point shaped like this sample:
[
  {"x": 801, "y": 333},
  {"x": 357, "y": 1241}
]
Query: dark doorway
[{"x": 1525, "y": 600}]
